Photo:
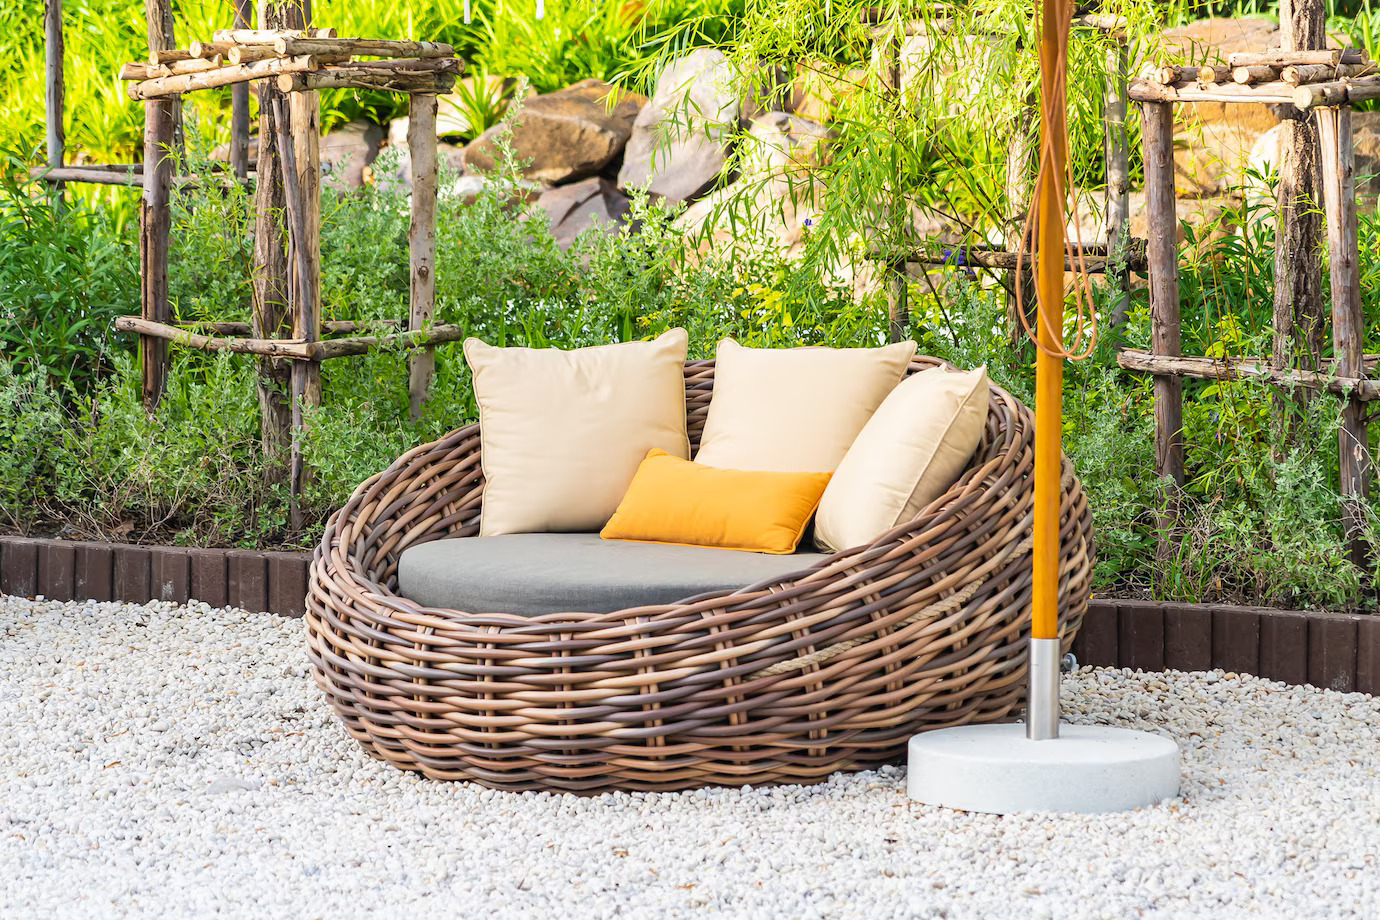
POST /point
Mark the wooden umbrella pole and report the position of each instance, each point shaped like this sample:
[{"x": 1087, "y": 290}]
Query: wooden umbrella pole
[{"x": 1042, "y": 721}]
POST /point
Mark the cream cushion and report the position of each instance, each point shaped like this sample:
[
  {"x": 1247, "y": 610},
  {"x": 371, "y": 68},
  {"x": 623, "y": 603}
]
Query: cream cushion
[
  {"x": 794, "y": 410},
  {"x": 563, "y": 432},
  {"x": 909, "y": 453}
]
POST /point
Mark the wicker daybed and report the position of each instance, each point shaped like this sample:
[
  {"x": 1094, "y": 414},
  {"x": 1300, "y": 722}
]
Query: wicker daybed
[{"x": 786, "y": 681}]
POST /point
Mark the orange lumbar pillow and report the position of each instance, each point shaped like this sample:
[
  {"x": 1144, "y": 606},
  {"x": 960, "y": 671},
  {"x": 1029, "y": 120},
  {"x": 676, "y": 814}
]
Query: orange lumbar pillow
[{"x": 678, "y": 502}]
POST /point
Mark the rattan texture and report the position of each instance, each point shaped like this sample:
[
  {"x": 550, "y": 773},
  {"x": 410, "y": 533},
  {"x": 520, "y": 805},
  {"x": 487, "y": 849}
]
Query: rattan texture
[{"x": 785, "y": 681}]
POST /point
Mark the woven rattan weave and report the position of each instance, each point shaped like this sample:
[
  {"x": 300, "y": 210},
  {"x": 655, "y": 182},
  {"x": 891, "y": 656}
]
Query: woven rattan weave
[{"x": 786, "y": 681}]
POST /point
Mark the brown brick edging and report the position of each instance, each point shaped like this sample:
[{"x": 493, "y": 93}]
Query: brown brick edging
[
  {"x": 64, "y": 570},
  {"x": 1337, "y": 651}
]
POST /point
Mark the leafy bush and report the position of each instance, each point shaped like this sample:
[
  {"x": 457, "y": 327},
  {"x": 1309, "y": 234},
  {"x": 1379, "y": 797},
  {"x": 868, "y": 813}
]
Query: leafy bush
[{"x": 65, "y": 274}]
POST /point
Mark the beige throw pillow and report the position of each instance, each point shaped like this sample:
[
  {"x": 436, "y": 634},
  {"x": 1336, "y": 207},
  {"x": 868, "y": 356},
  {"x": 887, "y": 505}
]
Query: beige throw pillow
[
  {"x": 563, "y": 432},
  {"x": 794, "y": 410},
  {"x": 910, "y": 452}
]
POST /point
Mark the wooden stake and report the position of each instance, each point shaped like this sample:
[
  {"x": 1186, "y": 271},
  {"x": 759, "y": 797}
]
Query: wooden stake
[
  {"x": 351, "y": 77},
  {"x": 1020, "y": 180},
  {"x": 302, "y": 288},
  {"x": 1256, "y": 73},
  {"x": 1201, "y": 368},
  {"x": 305, "y": 115},
  {"x": 163, "y": 41},
  {"x": 897, "y": 301},
  {"x": 1283, "y": 58},
  {"x": 155, "y": 221},
  {"x": 223, "y": 76},
  {"x": 239, "y": 106},
  {"x": 373, "y": 47},
  {"x": 1157, "y": 130},
  {"x": 1297, "y": 74},
  {"x": 1348, "y": 322},
  {"x": 138, "y": 70},
  {"x": 54, "y": 94},
  {"x": 1118, "y": 195},
  {"x": 421, "y": 243}
]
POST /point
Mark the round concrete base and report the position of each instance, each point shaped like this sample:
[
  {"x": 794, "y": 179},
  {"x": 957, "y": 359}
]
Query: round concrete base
[{"x": 1088, "y": 768}]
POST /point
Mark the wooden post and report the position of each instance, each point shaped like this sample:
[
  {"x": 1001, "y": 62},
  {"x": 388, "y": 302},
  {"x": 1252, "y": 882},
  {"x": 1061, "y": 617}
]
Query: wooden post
[
  {"x": 271, "y": 318},
  {"x": 1157, "y": 129},
  {"x": 54, "y": 94},
  {"x": 1348, "y": 324},
  {"x": 304, "y": 287},
  {"x": 421, "y": 242},
  {"x": 239, "y": 106},
  {"x": 155, "y": 222},
  {"x": 305, "y": 120},
  {"x": 162, "y": 37},
  {"x": 1118, "y": 201},
  {"x": 1299, "y": 311}
]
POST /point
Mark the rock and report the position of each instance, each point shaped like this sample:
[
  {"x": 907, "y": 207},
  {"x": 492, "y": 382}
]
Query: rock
[
  {"x": 347, "y": 152},
  {"x": 1365, "y": 132},
  {"x": 467, "y": 189},
  {"x": 781, "y": 143},
  {"x": 566, "y": 135},
  {"x": 678, "y": 143},
  {"x": 453, "y": 115},
  {"x": 960, "y": 71},
  {"x": 590, "y": 202},
  {"x": 817, "y": 94},
  {"x": 1204, "y": 215},
  {"x": 447, "y": 155},
  {"x": 779, "y": 216}
]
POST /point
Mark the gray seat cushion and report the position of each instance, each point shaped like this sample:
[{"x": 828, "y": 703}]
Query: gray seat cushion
[{"x": 535, "y": 573}]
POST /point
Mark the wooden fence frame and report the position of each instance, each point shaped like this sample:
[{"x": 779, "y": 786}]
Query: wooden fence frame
[
  {"x": 1280, "y": 77},
  {"x": 300, "y": 62}
]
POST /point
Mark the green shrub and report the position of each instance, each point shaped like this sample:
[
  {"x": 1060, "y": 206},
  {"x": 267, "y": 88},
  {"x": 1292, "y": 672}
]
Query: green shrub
[{"x": 65, "y": 274}]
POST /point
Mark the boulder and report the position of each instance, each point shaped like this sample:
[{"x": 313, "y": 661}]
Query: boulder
[
  {"x": 817, "y": 93},
  {"x": 679, "y": 141},
  {"x": 467, "y": 189},
  {"x": 447, "y": 155},
  {"x": 779, "y": 143},
  {"x": 452, "y": 115},
  {"x": 347, "y": 152},
  {"x": 566, "y": 135},
  {"x": 1204, "y": 215},
  {"x": 590, "y": 202},
  {"x": 1365, "y": 135}
]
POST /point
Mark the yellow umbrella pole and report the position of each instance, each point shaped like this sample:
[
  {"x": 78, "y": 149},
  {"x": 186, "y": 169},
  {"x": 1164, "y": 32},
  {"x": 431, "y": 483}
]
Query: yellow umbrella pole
[{"x": 1043, "y": 714}]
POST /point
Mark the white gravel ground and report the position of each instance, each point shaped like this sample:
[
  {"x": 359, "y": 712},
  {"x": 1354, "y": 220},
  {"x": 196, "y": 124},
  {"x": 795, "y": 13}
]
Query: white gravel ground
[{"x": 164, "y": 761}]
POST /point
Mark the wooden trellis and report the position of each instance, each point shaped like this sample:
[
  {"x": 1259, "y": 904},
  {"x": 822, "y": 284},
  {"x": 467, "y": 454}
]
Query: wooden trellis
[
  {"x": 1321, "y": 84},
  {"x": 298, "y": 62}
]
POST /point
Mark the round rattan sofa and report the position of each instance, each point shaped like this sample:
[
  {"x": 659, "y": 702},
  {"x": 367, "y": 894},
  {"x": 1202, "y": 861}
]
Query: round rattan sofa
[{"x": 785, "y": 681}]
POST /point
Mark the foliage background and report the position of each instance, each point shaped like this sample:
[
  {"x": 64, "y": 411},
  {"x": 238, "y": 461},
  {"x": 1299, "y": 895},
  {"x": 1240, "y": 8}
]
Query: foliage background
[{"x": 81, "y": 457}]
